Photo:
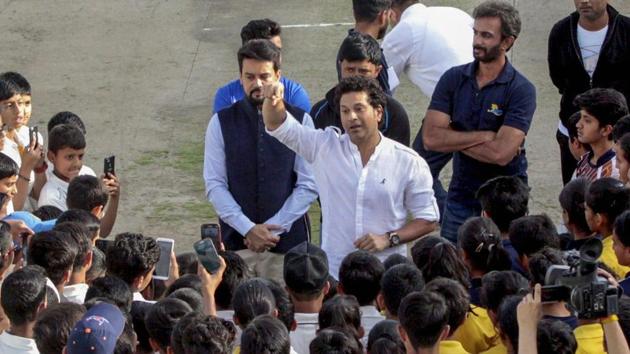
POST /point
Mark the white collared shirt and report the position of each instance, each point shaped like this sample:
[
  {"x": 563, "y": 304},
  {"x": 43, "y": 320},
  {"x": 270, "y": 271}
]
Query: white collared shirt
[
  {"x": 358, "y": 199},
  {"x": 55, "y": 190},
  {"x": 10, "y": 344},
  {"x": 428, "y": 41},
  {"x": 137, "y": 296},
  {"x": 215, "y": 176},
  {"x": 305, "y": 332},
  {"x": 370, "y": 316},
  {"x": 75, "y": 293}
]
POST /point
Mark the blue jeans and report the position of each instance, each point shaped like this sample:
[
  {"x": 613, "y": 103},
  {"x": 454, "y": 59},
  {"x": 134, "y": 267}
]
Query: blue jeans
[
  {"x": 436, "y": 162},
  {"x": 455, "y": 214}
]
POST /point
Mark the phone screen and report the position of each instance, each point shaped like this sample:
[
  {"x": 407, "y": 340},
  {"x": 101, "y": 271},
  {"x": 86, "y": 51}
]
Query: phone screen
[
  {"x": 213, "y": 232},
  {"x": 207, "y": 255},
  {"x": 109, "y": 165},
  {"x": 164, "y": 264}
]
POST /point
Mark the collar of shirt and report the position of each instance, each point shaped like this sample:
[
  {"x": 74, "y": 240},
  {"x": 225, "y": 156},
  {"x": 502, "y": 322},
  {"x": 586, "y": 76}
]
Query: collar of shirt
[
  {"x": 451, "y": 346},
  {"x": 412, "y": 10},
  {"x": 370, "y": 311},
  {"x": 137, "y": 296},
  {"x": 76, "y": 292},
  {"x": 306, "y": 318},
  {"x": 17, "y": 343},
  {"x": 506, "y": 75}
]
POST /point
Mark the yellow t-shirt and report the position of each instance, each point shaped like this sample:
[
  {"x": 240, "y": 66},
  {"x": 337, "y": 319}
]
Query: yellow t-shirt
[
  {"x": 610, "y": 259},
  {"x": 477, "y": 333},
  {"x": 590, "y": 339},
  {"x": 497, "y": 349},
  {"x": 452, "y": 347}
]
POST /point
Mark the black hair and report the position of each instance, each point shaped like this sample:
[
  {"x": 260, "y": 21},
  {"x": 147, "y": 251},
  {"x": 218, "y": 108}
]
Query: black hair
[
  {"x": 8, "y": 167},
  {"x": 505, "y": 199},
  {"x": 332, "y": 292},
  {"x": 126, "y": 343},
  {"x": 608, "y": 196},
  {"x": 540, "y": 262},
  {"x": 54, "y": 251},
  {"x": 360, "y": 275},
  {"x": 437, "y": 257},
  {"x": 252, "y": 298},
  {"x": 621, "y": 128},
  {"x": 190, "y": 296},
  {"x": 384, "y": 338},
  {"x": 86, "y": 193},
  {"x": 98, "y": 268},
  {"x": 507, "y": 321},
  {"x": 47, "y": 212},
  {"x": 529, "y": 234},
  {"x": 498, "y": 285},
  {"x": 572, "y": 125},
  {"x": 65, "y": 136},
  {"x": 191, "y": 281},
  {"x": 555, "y": 337},
  {"x": 395, "y": 259},
  {"x": 286, "y": 310},
  {"x": 112, "y": 288},
  {"x": 22, "y": 292},
  {"x": 622, "y": 228},
  {"x": 199, "y": 334},
  {"x": 18, "y": 80},
  {"x": 456, "y": 297},
  {"x": 508, "y": 14},
  {"x": 265, "y": 335},
  {"x": 188, "y": 262},
  {"x": 334, "y": 341},
  {"x": 259, "y": 50},
  {"x": 604, "y": 104},
  {"x": 423, "y": 315},
  {"x": 260, "y": 29},
  {"x": 368, "y": 10},
  {"x": 139, "y": 310},
  {"x": 6, "y": 241},
  {"x": 79, "y": 235},
  {"x": 54, "y": 325},
  {"x": 358, "y": 47},
  {"x": 8, "y": 89},
  {"x": 162, "y": 318},
  {"x": 572, "y": 199},
  {"x": 236, "y": 272},
  {"x": 83, "y": 217},
  {"x": 399, "y": 281},
  {"x": 342, "y": 311},
  {"x": 131, "y": 255},
  {"x": 480, "y": 238},
  {"x": 375, "y": 95},
  {"x": 66, "y": 118}
]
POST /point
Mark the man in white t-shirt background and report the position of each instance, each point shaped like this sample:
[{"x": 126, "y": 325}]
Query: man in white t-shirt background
[{"x": 587, "y": 49}]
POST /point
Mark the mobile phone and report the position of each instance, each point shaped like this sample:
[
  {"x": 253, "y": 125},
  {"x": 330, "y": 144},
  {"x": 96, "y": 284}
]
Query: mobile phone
[
  {"x": 207, "y": 255},
  {"x": 163, "y": 266},
  {"x": 213, "y": 232},
  {"x": 109, "y": 165},
  {"x": 102, "y": 244},
  {"x": 33, "y": 134}
]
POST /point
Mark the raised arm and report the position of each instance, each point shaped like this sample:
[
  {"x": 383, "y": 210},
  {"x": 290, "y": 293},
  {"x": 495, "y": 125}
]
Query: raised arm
[{"x": 274, "y": 111}]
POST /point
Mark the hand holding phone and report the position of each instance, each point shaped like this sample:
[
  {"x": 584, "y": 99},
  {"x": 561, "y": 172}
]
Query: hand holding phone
[
  {"x": 207, "y": 255},
  {"x": 163, "y": 266},
  {"x": 213, "y": 232},
  {"x": 109, "y": 165}
]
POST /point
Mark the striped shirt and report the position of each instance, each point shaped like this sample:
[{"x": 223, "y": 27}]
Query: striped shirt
[{"x": 606, "y": 166}]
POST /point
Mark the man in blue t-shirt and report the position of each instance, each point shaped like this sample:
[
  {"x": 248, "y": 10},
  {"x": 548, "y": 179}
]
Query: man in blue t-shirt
[
  {"x": 233, "y": 91},
  {"x": 481, "y": 111}
]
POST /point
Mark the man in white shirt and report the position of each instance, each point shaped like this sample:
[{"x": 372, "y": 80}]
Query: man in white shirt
[
  {"x": 30, "y": 283},
  {"x": 306, "y": 278},
  {"x": 368, "y": 184},
  {"x": 423, "y": 44}
]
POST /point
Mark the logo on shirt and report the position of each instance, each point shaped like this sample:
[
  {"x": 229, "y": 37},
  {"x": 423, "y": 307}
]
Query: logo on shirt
[{"x": 494, "y": 109}]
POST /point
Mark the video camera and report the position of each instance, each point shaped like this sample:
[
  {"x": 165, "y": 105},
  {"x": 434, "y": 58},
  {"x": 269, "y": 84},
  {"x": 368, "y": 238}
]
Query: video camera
[{"x": 586, "y": 292}]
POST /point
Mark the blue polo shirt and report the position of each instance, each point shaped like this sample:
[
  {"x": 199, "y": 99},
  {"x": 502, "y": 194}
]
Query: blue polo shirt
[
  {"x": 508, "y": 100},
  {"x": 233, "y": 91}
]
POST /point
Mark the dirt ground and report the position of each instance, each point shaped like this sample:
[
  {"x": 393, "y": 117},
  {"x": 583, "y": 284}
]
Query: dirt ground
[{"x": 141, "y": 74}]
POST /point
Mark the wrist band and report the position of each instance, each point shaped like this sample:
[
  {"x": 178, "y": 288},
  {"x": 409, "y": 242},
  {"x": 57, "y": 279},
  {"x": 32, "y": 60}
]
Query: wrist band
[
  {"x": 24, "y": 178},
  {"x": 609, "y": 319}
]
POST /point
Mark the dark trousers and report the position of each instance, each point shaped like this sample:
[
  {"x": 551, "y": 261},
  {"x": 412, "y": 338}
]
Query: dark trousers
[
  {"x": 436, "y": 162},
  {"x": 567, "y": 161}
]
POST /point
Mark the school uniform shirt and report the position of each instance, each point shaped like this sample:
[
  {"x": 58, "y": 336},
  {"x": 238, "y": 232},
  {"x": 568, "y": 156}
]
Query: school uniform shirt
[
  {"x": 497, "y": 349},
  {"x": 477, "y": 333},
  {"x": 452, "y": 347},
  {"x": 357, "y": 199},
  {"x": 10, "y": 344},
  {"x": 590, "y": 339},
  {"x": 609, "y": 258},
  {"x": 75, "y": 293},
  {"x": 370, "y": 316},
  {"x": 606, "y": 166},
  {"x": 137, "y": 296},
  {"x": 55, "y": 190},
  {"x": 305, "y": 331}
]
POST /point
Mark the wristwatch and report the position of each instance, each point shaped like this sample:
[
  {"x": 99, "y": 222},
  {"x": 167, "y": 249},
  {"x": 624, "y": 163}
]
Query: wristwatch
[{"x": 394, "y": 239}]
